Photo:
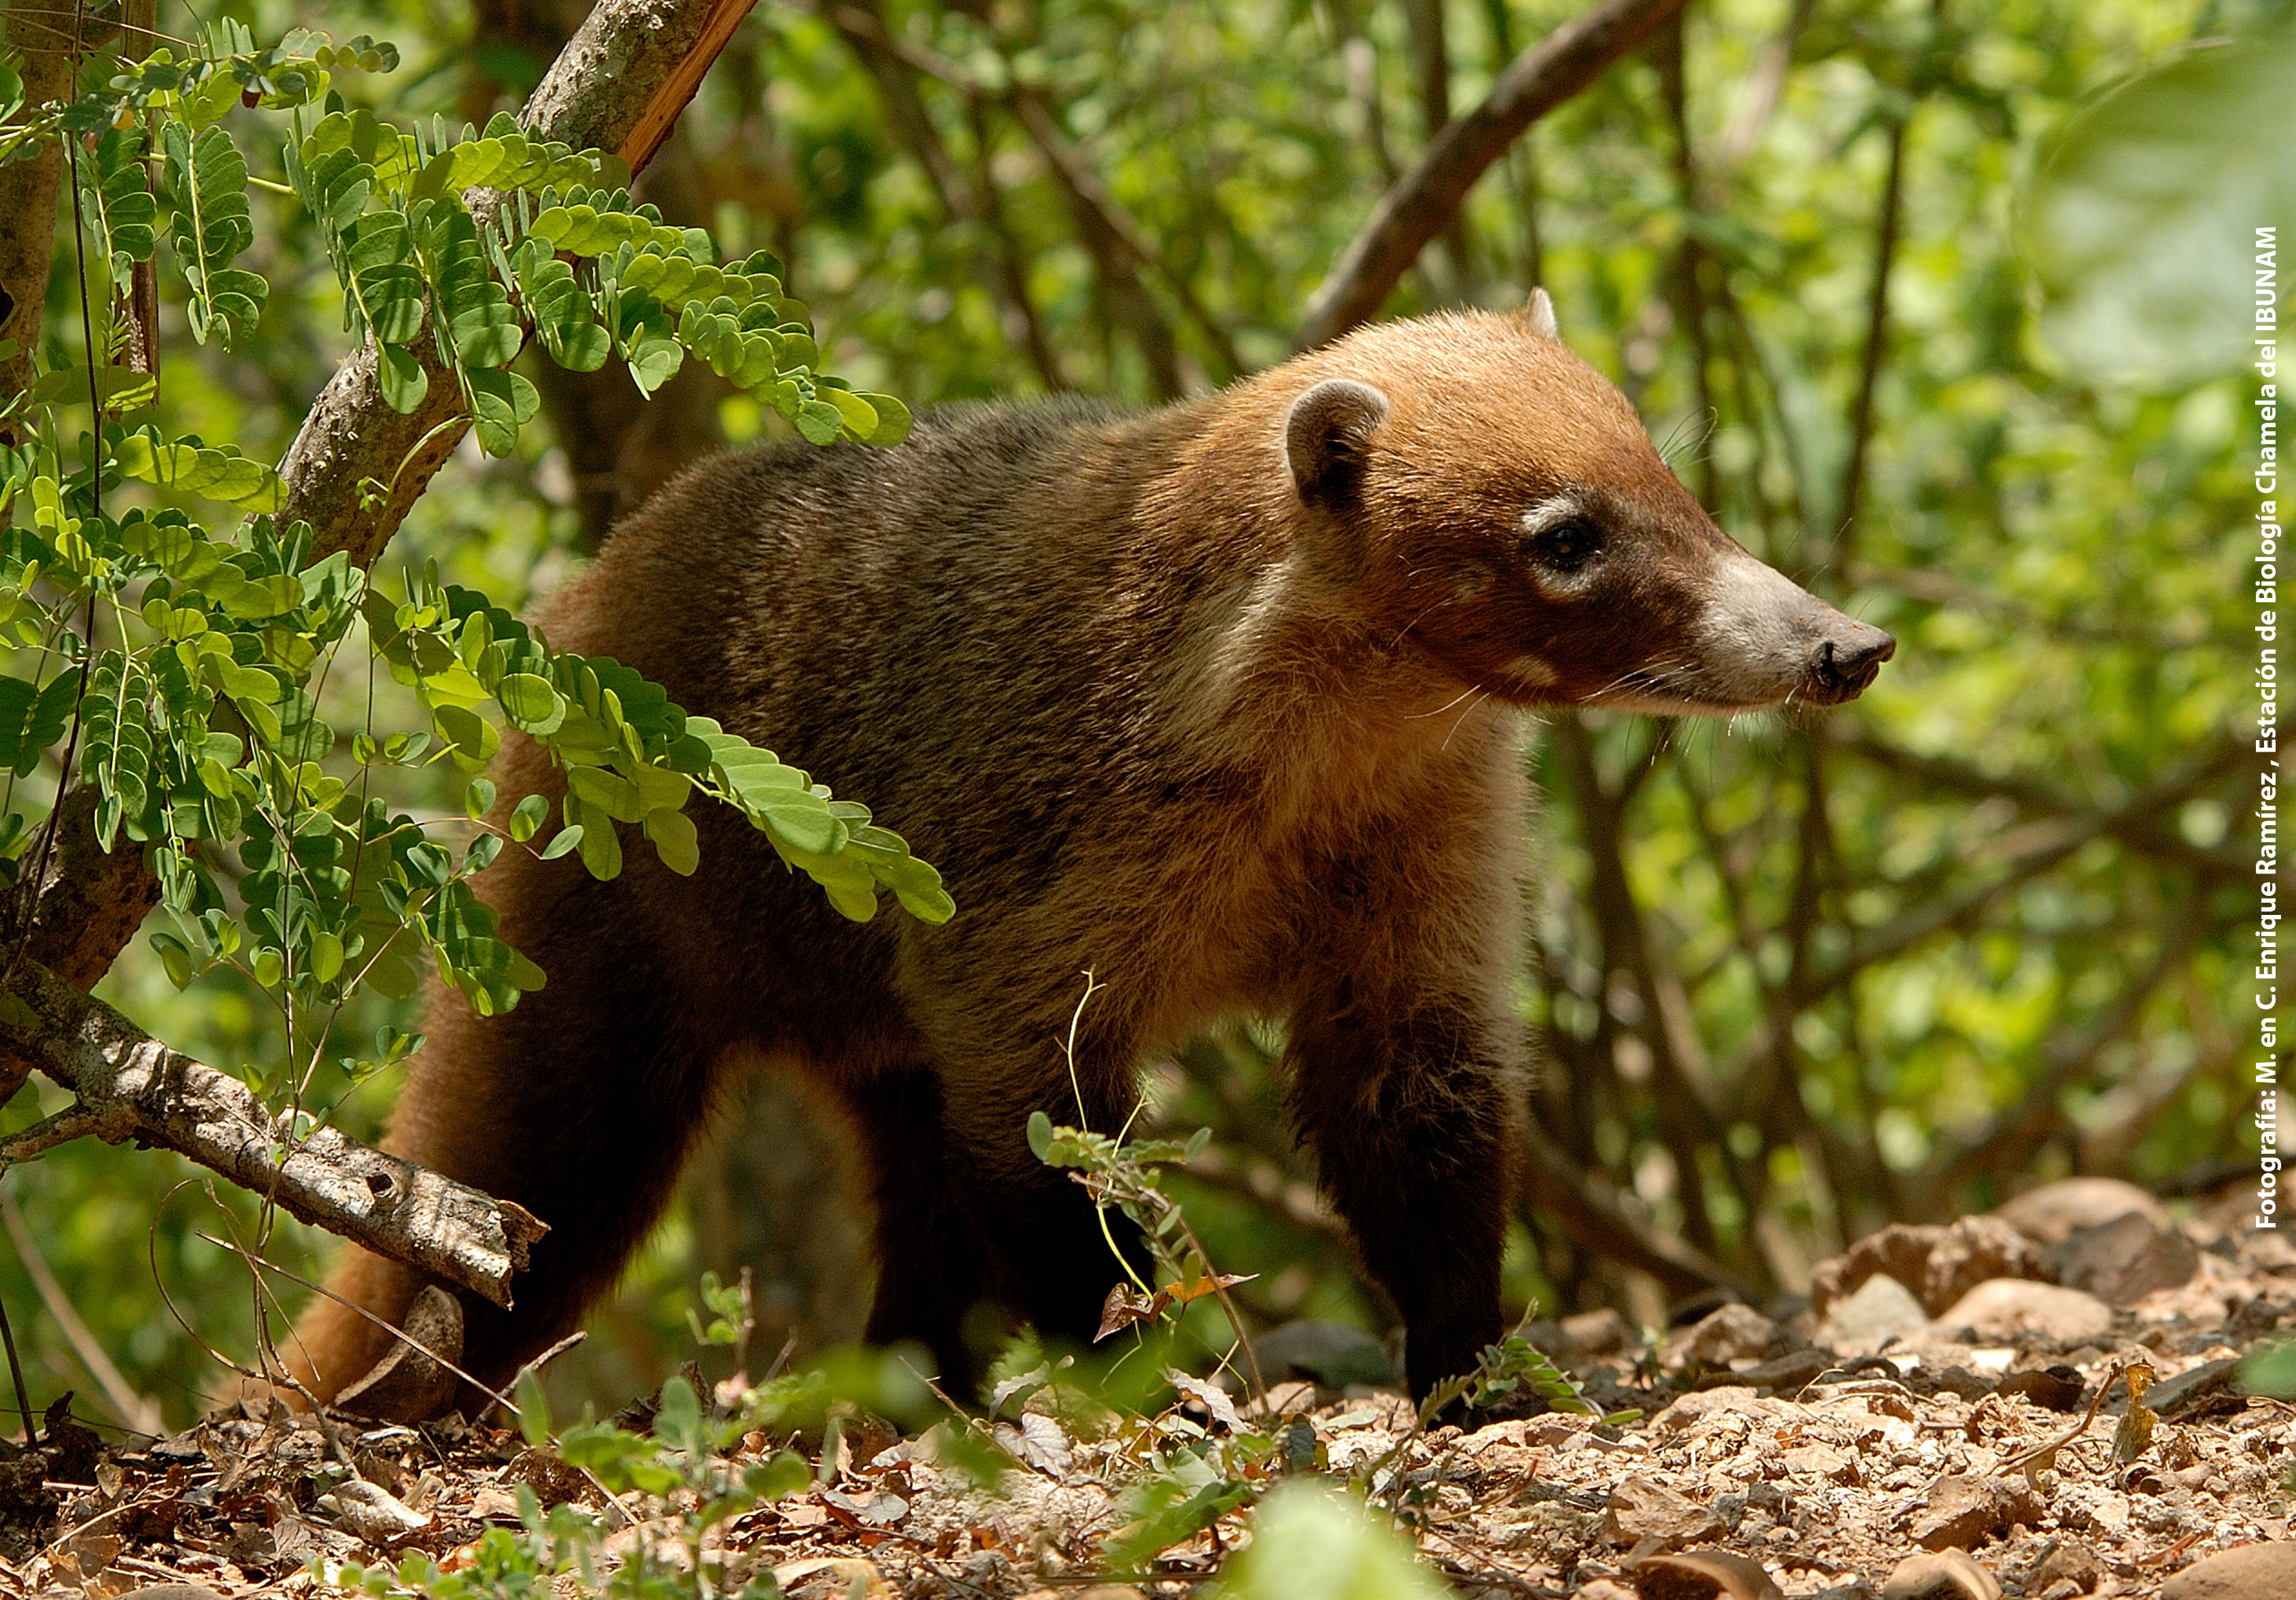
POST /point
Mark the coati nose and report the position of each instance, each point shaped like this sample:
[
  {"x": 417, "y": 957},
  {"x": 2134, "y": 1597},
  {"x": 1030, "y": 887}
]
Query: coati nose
[{"x": 1847, "y": 658}]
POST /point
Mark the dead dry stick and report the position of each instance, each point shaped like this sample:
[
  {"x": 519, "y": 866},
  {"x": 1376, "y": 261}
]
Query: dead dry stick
[
  {"x": 132, "y": 1086},
  {"x": 1424, "y": 199},
  {"x": 255, "y": 1259},
  {"x": 139, "y": 1411}
]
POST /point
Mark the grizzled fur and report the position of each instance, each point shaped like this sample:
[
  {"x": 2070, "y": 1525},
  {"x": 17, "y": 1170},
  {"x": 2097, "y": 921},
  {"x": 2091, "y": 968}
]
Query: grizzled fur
[{"x": 1223, "y": 703}]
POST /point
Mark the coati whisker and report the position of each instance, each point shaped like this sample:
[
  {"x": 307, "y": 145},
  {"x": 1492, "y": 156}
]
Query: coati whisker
[{"x": 1480, "y": 696}]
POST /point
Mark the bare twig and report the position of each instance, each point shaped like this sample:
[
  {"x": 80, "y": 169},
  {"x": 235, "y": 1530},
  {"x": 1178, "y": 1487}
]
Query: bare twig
[
  {"x": 139, "y": 1411},
  {"x": 132, "y": 1086},
  {"x": 1869, "y": 367},
  {"x": 1422, "y": 203},
  {"x": 963, "y": 200}
]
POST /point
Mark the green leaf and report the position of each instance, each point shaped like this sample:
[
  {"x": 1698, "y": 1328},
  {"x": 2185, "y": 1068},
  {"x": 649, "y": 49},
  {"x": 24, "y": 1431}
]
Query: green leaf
[
  {"x": 2141, "y": 219},
  {"x": 206, "y": 178},
  {"x": 400, "y": 373},
  {"x": 533, "y": 1408},
  {"x": 218, "y": 474},
  {"x": 501, "y": 403},
  {"x": 528, "y": 816},
  {"x": 478, "y": 798},
  {"x": 32, "y": 719},
  {"x": 473, "y": 737},
  {"x": 819, "y": 421},
  {"x": 1309, "y": 1539},
  {"x": 787, "y": 1473},
  {"x": 893, "y": 420},
  {"x": 675, "y": 840},
  {"x": 857, "y": 414},
  {"x": 529, "y": 703}
]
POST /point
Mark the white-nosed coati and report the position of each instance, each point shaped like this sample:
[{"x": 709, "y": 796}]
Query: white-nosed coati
[{"x": 1225, "y": 703}]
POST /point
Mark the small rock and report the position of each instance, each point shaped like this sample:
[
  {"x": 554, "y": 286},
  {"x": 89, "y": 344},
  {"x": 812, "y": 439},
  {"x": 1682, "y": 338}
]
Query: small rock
[
  {"x": 2210, "y": 1387},
  {"x": 2053, "y": 1389},
  {"x": 1947, "y": 1575},
  {"x": 1967, "y": 1508},
  {"x": 1735, "y": 1333},
  {"x": 1603, "y": 1588},
  {"x": 2016, "y": 1310},
  {"x": 1327, "y": 1352},
  {"x": 1937, "y": 1264},
  {"x": 2049, "y": 1214},
  {"x": 2123, "y": 1261},
  {"x": 1974, "y": 1250},
  {"x": 1856, "y": 1589},
  {"x": 1881, "y": 1309},
  {"x": 173, "y": 1591},
  {"x": 1703, "y": 1575},
  {"x": 1823, "y": 1461},
  {"x": 2070, "y": 1563},
  {"x": 1642, "y": 1508},
  {"x": 2266, "y": 1572},
  {"x": 1602, "y": 1333}
]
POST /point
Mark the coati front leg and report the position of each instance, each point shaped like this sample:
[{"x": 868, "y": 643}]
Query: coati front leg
[
  {"x": 1407, "y": 1071},
  {"x": 1410, "y": 1113}
]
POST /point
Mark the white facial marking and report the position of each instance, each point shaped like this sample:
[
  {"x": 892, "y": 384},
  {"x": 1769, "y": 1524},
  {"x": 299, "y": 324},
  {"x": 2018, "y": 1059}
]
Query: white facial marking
[{"x": 1552, "y": 513}]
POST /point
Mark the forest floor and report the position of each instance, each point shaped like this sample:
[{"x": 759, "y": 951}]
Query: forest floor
[{"x": 1949, "y": 1419}]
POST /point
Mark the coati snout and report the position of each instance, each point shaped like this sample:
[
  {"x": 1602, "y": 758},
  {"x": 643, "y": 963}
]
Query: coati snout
[
  {"x": 1572, "y": 569},
  {"x": 1224, "y": 703}
]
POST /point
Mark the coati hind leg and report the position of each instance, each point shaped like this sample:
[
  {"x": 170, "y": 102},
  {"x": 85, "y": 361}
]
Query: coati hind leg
[
  {"x": 931, "y": 1267},
  {"x": 580, "y": 1105},
  {"x": 1041, "y": 1250}
]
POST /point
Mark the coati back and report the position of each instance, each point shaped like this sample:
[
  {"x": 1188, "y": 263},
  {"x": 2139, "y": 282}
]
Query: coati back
[{"x": 1223, "y": 703}]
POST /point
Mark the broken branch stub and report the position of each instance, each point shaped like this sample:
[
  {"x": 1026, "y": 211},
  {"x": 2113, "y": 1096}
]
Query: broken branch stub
[{"x": 132, "y": 1086}]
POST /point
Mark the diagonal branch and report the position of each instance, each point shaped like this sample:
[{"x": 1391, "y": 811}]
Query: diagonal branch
[
  {"x": 1423, "y": 201},
  {"x": 131, "y": 1087},
  {"x": 627, "y": 67},
  {"x": 616, "y": 85}
]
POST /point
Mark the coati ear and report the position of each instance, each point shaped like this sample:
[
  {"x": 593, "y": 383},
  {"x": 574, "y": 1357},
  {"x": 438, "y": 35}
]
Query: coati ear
[
  {"x": 1326, "y": 435},
  {"x": 1540, "y": 315}
]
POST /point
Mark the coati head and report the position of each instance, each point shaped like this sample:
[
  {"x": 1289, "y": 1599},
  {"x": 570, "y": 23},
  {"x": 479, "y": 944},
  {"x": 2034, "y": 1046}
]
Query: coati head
[{"x": 1503, "y": 508}]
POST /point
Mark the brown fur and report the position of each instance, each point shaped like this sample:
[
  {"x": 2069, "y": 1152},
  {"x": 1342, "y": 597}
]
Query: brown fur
[{"x": 1231, "y": 737}]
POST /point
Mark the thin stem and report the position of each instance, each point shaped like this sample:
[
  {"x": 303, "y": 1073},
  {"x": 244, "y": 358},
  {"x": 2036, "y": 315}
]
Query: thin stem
[{"x": 1869, "y": 367}]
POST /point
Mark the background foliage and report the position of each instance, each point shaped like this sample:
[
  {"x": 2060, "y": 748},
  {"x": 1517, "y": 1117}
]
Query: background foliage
[{"x": 1796, "y": 979}]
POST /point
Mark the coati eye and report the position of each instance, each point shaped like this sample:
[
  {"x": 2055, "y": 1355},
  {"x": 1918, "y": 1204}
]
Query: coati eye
[{"x": 1565, "y": 548}]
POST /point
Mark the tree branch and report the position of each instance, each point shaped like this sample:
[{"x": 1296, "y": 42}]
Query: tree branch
[
  {"x": 41, "y": 40},
  {"x": 132, "y": 1086},
  {"x": 1423, "y": 201},
  {"x": 618, "y": 86},
  {"x": 605, "y": 90}
]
